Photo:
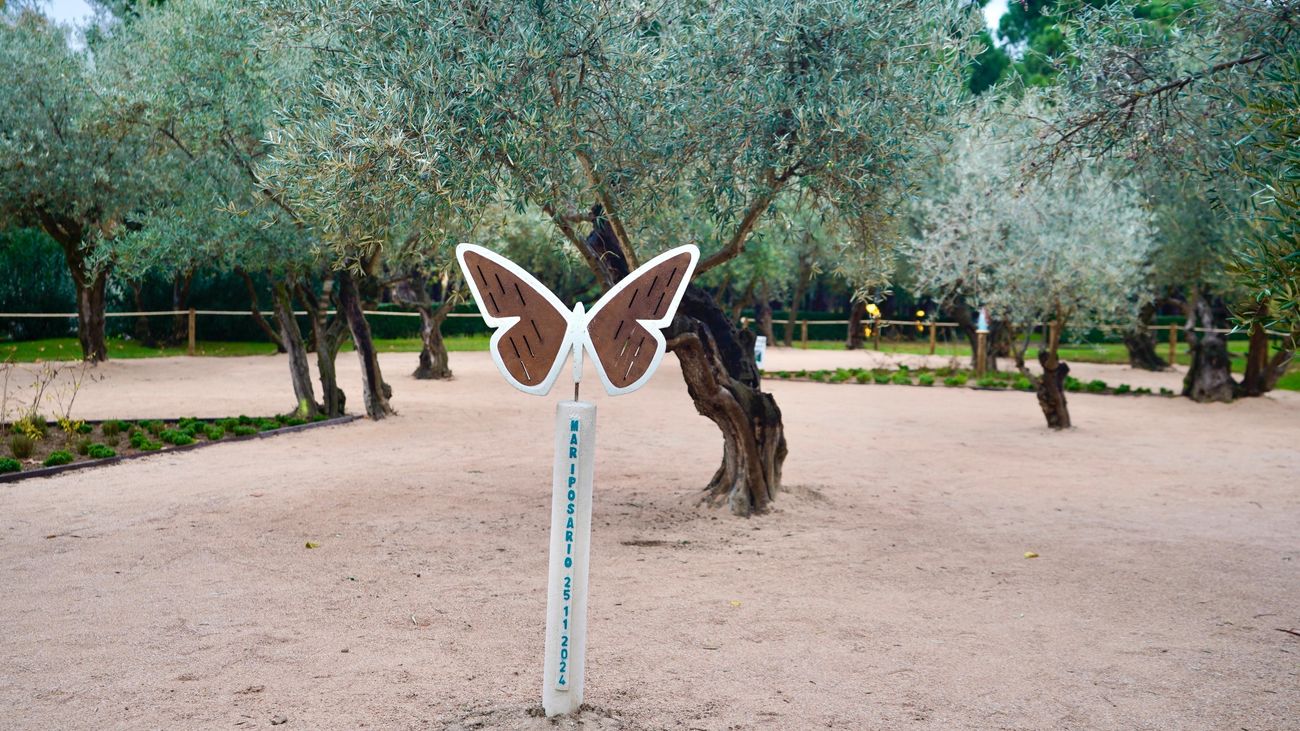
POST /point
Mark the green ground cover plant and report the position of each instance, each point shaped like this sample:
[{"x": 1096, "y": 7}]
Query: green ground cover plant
[
  {"x": 31, "y": 443},
  {"x": 956, "y": 378}
]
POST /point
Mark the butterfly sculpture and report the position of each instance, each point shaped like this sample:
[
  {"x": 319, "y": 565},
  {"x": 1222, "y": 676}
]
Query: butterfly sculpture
[{"x": 534, "y": 331}]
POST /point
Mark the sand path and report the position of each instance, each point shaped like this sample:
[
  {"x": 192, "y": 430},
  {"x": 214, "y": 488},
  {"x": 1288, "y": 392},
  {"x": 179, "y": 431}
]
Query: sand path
[{"x": 888, "y": 590}]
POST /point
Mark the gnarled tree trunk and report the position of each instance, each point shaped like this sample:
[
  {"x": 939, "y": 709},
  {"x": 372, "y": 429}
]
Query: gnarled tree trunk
[
  {"x": 90, "y": 285},
  {"x": 327, "y": 334},
  {"x": 1051, "y": 390},
  {"x": 718, "y": 367},
  {"x": 1141, "y": 346},
  {"x": 434, "y": 360},
  {"x": 855, "y": 336},
  {"x": 1262, "y": 371},
  {"x": 375, "y": 391},
  {"x": 291, "y": 337},
  {"x": 91, "y": 323},
  {"x": 1210, "y": 376}
]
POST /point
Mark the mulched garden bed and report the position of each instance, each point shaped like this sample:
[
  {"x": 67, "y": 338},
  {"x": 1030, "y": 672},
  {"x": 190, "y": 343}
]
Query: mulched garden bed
[{"x": 34, "y": 448}]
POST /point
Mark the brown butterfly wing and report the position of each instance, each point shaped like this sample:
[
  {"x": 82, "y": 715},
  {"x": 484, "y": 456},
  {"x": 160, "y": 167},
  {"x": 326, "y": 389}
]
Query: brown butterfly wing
[
  {"x": 624, "y": 347},
  {"x": 528, "y": 349}
]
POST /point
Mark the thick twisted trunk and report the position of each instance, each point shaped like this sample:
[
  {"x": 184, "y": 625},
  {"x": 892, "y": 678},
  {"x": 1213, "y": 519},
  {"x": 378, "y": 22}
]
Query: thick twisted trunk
[
  {"x": 375, "y": 392},
  {"x": 327, "y": 335},
  {"x": 1263, "y": 371},
  {"x": 291, "y": 337},
  {"x": 1210, "y": 376},
  {"x": 1141, "y": 346},
  {"x": 434, "y": 360},
  {"x": 1051, "y": 390},
  {"x": 718, "y": 367},
  {"x": 855, "y": 336},
  {"x": 90, "y": 287},
  {"x": 91, "y": 322}
]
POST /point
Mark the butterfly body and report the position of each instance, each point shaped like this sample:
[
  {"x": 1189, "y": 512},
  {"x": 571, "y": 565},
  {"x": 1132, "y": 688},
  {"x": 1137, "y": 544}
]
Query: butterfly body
[{"x": 535, "y": 332}]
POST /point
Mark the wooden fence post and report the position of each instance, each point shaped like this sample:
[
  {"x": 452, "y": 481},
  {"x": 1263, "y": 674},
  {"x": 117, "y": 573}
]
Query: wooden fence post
[
  {"x": 981, "y": 339},
  {"x": 1173, "y": 343},
  {"x": 803, "y": 335},
  {"x": 932, "y": 337},
  {"x": 876, "y": 332},
  {"x": 190, "y": 329}
]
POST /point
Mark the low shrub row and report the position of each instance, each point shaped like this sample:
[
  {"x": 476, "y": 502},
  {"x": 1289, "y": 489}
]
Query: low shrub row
[
  {"x": 33, "y": 442},
  {"x": 954, "y": 378}
]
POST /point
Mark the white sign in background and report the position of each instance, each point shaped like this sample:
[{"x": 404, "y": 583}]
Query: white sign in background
[
  {"x": 760, "y": 349},
  {"x": 566, "y": 597}
]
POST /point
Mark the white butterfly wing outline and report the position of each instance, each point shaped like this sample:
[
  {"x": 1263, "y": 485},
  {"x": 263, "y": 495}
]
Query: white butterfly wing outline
[
  {"x": 578, "y": 322},
  {"x": 653, "y": 326},
  {"x": 500, "y": 325}
]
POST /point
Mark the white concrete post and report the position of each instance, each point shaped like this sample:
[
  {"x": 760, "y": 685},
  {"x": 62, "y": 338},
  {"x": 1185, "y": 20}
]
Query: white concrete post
[{"x": 566, "y": 598}]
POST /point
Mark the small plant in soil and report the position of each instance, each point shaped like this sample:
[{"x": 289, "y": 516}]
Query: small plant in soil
[
  {"x": 176, "y": 437},
  {"x": 1123, "y": 388},
  {"x": 925, "y": 379},
  {"x": 956, "y": 379},
  {"x": 21, "y": 445},
  {"x": 1023, "y": 384},
  {"x": 901, "y": 378},
  {"x": 58, "y": 457},
  {"x": 8, "y": 464},
  {"x": 244, "y": 430},
  {"x": 100, "y": 451},
  {"x": 1096, "y": 386},
  {"x": 214, "y": 432}
]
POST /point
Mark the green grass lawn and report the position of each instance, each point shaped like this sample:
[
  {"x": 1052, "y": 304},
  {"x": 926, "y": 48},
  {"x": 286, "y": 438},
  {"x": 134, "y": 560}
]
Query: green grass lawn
[
  {"x": 67, "y": 349},
  {"x": 31, "y": 351}
]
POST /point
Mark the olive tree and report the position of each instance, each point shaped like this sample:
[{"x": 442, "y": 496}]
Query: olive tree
[
  {"x": 601, "y": 115},
  {"x": 200, "y": 85},
  {"x": 1067, "y": 248},
  {"x": 1221, "y": 78},
  {"x": 73, "y": 160}
]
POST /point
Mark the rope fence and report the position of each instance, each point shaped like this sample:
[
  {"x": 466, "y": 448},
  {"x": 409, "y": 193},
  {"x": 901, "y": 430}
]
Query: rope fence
[{"x": 877, "y": 326}]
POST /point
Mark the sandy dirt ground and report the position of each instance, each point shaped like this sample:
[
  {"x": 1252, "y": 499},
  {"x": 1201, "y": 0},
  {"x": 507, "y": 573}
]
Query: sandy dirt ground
[{"x": 887, "y": 590}]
